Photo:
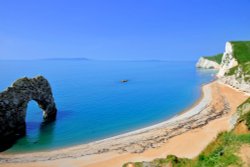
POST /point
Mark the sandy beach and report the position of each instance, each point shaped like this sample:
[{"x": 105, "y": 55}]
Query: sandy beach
[{"x": 185, "y": 135}]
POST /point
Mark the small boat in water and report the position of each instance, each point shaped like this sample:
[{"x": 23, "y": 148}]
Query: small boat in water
[{"x": 124, "y": 81}]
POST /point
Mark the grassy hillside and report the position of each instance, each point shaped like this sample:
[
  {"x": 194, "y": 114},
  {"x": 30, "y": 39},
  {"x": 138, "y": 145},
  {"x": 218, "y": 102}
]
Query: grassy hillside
[
  {"x": 222, "y": 152},
  {"x": 217, "y": 58},
  {"x": 244, "y": 112},
  {"x": 241, "y": 51}
]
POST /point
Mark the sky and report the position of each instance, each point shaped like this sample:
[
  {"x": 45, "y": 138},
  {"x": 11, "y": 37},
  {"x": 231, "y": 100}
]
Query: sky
[{"x": 120, "y": 29}]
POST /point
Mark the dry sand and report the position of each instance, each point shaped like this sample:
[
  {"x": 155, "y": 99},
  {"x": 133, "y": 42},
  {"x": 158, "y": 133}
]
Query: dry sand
[{"x": 185, "y": 135}]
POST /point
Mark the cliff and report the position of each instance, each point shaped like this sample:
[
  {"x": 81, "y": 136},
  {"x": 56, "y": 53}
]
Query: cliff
[
  {"x": 207, "y": 64},
  {"x": 13, "y": 105},
  {"x": 228, "y": 61},
  {"x": 234, "y": 68},
  {"x": 235, "y": 65}
]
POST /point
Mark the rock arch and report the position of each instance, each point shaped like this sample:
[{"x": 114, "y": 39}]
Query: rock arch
[{"x": 14, "y": 101}]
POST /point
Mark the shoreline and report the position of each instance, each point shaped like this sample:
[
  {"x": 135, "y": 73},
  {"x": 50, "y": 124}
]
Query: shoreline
[
  {"x": 149, "y": 139},
  {"x": 169, "y": 120},
  {"x": 197, "y": 101},
  {"x": 205, "y": 98}
]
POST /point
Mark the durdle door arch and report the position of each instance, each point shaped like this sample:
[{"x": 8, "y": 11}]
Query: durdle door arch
[{"x": 13, "y": 106}]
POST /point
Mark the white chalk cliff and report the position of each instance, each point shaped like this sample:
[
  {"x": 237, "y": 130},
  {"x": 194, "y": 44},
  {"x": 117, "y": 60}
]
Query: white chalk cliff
[
  {"x": 208, "y": 64},
  {"x": 236, "y": 80},
  {"x": 228, "y": 61}
]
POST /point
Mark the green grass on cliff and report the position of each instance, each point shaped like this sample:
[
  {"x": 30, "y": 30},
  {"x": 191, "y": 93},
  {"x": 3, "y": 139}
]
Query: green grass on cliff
[
  {"x": 245, "y": 70},
  {"x": 217, "y": 58},
  {"x": 244, "y": 112},
  {"x": 241, "y": 51}
]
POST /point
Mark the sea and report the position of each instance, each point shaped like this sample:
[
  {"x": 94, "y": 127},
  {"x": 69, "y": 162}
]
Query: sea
[{"x": 94, "y": 104}]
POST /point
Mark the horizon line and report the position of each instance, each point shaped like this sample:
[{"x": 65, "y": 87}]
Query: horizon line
[{"x": 88, "y": 59}]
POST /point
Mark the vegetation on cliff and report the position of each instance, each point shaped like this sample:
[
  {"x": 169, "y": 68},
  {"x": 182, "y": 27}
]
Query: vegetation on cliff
[
  {"x": 244, "y": 113},
  {"x": 217, "y": 58},
  {"x": 241, "y": 51},
  {"x": 241, "y": 70}
]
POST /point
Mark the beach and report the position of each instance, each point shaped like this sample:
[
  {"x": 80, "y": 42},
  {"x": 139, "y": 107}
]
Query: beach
[{"x": 184, "y": 135}]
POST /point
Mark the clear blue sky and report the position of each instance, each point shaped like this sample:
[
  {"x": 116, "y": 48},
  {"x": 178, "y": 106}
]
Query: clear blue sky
[{"x": 120, "y": 29}]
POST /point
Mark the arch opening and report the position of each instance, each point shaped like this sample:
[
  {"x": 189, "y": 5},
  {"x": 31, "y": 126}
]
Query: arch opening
[{"x": 33, "y": 120}]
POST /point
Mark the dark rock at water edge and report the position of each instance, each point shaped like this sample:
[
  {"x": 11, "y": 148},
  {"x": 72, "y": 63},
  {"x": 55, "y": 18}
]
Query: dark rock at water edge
[{"x": 13, "y": 106}]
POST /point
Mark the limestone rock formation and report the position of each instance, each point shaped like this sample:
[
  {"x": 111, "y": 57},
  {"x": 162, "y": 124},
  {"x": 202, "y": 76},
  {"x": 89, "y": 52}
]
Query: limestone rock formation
[
  {"x": 237, "y": 80},
  {"x": 207, "y": 64},
  {"x": 228, "y": 61},
  {"x": 14, "y": 101}
]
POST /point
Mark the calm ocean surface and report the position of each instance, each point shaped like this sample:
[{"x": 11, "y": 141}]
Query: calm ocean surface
[{"x": 92, "y": 103}]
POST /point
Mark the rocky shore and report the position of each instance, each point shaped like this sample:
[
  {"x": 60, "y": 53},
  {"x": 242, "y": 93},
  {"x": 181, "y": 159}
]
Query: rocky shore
[{"x": 236, "y": 83}]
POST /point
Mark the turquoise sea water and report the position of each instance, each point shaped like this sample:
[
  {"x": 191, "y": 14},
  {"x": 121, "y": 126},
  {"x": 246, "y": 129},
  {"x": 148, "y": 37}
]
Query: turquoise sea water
[{"x": 92, "y": 103}]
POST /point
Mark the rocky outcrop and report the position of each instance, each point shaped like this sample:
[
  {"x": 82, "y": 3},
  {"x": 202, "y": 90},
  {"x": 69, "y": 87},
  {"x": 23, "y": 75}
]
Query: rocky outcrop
[
  {"x": 238, "y": 83},
  {"x": 228, "y": 61},
  {"x": 207, "y": 64},
  {"x": 14, "y": 101}
]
